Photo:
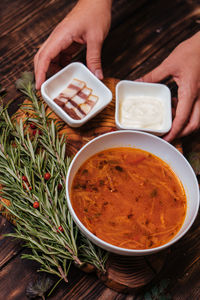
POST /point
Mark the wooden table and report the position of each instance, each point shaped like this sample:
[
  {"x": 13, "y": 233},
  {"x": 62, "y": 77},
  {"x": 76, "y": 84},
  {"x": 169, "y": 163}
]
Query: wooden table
[{"x": 143, "y": 33}]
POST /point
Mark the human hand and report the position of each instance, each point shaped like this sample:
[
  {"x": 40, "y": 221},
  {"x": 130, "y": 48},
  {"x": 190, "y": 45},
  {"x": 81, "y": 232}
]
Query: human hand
[
  {"x": 88, "y": 23},
  {"x": 183, "y": 64}
]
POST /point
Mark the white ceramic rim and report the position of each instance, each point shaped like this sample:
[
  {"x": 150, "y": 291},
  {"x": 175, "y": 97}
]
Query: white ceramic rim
[
  {"x": 110, "y": 247},
  {"x": 58, "y": 110},
  {"x": 157, "y": 131}
]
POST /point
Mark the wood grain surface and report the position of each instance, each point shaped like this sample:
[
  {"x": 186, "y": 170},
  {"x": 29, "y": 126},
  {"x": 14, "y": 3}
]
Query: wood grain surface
[{"x": 143, "y": 33}]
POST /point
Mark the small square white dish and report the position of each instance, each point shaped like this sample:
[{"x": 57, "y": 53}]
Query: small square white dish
[
  {"x": 143, "y": 106},
  {"x": 52, "y": 87}
]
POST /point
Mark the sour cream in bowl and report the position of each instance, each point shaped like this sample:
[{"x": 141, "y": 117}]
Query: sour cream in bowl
[{"x": 143, "y": 106}]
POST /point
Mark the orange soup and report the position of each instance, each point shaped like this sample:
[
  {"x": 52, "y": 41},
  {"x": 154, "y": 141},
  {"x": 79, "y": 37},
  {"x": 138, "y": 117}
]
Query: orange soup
[{"x": 129, "y": 198}]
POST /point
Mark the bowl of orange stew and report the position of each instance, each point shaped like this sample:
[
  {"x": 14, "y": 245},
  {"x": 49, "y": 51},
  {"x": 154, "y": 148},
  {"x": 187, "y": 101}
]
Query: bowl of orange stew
[{"x": 132, "y": 193}]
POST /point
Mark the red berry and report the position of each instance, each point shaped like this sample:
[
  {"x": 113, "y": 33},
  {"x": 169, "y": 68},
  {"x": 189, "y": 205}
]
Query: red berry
[
  {"x": 30, "y": 188},
  {"x": 59, "y": 187},
  {"x": 33, "y": 126},
  {"x": 36, "y": 204},
  {"x": 47, "y": 176},
  {"x": 60, "y": 229},
  {"x": 24, "y": 178},
  {"x": 36, "y": 131}
]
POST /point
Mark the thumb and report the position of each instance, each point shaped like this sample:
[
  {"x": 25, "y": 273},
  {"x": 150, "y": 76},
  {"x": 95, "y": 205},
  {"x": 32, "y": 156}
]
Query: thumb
[
  {"x": 93, "y": 57},
  {"x": 158, "y": 74}
]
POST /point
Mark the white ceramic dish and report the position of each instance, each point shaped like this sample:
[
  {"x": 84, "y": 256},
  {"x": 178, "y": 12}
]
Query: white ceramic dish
[
  {"x": 53, "y": 86},
  {"x": 127, "y": 89},
  {"x": 156, "y": 146}
]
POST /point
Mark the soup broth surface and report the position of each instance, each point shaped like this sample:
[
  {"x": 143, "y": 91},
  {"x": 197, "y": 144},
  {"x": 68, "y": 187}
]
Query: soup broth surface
[{"x": 129, "y": 198}]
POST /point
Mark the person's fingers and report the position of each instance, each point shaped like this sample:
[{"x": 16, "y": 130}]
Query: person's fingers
[
  {"x": 41, "y": 65},
  {"x": 186, "y": 97},
  {"x": 38, "y": 80},
  {"x": 43, "y": 58},
  {"x": 194, "y": 121},
  {"x": 93, "y": 57},
  {"x": 158, "y": 74}
]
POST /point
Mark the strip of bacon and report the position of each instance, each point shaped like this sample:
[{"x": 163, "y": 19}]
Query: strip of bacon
[
  {"x": 85, "y": 108},
  {"x": 72, "y": 111},
  {"x": 74, "y": 103},
  {"x": 92, "y": 99},
  {"x": 60, "y": 101},
  {"x": 73, "y": 88},
  {"x": 85, "y": 93},
  {"x": 81, "y": 97},
  {"x": 89, "y": 103},
  {"x": 76, "y": 99}
]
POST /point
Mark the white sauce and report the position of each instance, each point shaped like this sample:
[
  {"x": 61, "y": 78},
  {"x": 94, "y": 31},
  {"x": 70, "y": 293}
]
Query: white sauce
[{"x": 141, "y": 112}]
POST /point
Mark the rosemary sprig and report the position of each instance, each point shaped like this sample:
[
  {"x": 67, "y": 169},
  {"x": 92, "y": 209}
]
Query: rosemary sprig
[
  {"x": 48, "y": 228},
  {"x": 93, "y": 254}
]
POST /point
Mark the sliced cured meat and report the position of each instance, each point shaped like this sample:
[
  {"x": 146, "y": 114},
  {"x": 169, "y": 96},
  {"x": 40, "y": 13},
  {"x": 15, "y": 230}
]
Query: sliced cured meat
[
  {"x": 76, "y": 99},
  {"x": 60, "y": 101},
  {"x": 85, "y": 93},
  {"x": 85, "y": 108},
  {"x": 72, "y": 111},
  {"x": 92, "y": 99},
  {"x": 73, "y": 88}
]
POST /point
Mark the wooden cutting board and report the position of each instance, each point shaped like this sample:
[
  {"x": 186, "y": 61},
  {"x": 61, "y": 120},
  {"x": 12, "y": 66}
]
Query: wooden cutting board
[{"x": 124, "y": 274}]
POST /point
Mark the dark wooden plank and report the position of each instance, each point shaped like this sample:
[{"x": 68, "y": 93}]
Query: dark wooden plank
[
  {"x": 142, "y": 40},
  {"x": 9, "y": 247},
  {"x": 14, "y": 278},
  {"x": 31, "y": 16},
  {"x": 85, "y": 287}
]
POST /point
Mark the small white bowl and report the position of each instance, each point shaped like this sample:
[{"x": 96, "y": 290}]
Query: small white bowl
[
  {"x": 156, "y": 146},
  {"x": 134, "y": 89},
  {"x": 57, "y": 83}
]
